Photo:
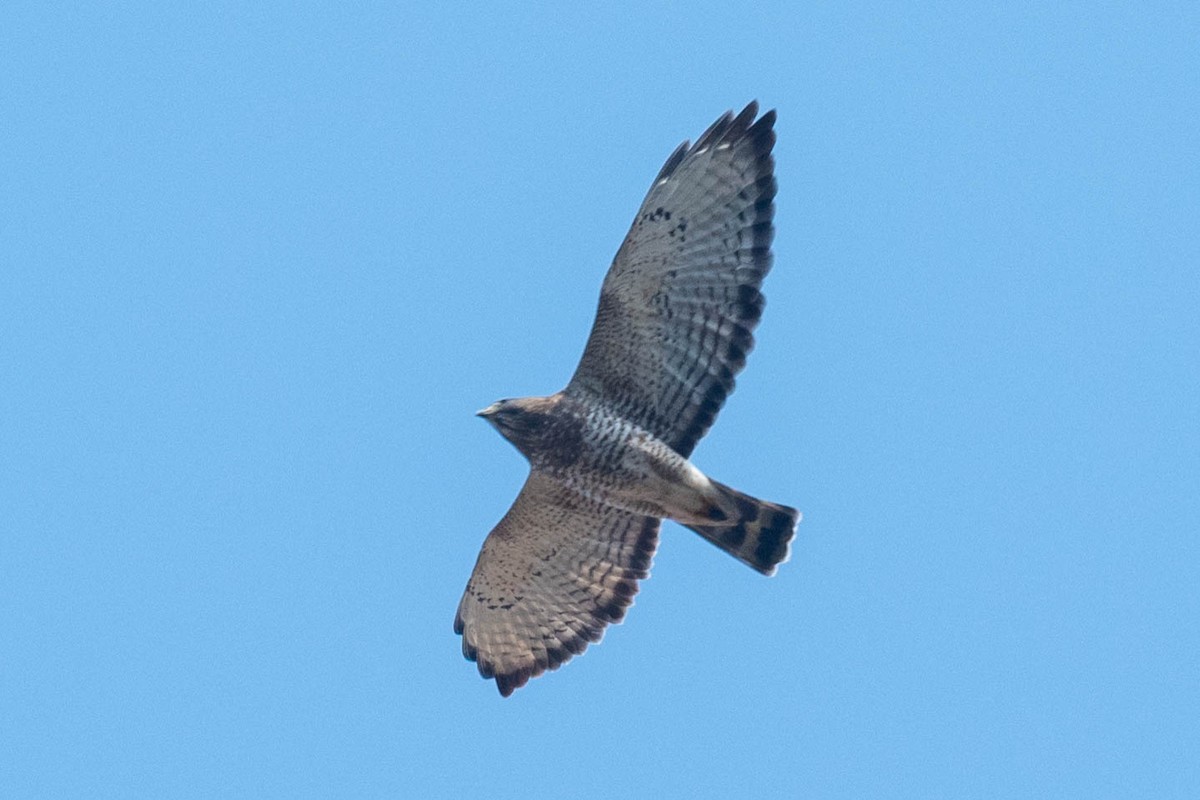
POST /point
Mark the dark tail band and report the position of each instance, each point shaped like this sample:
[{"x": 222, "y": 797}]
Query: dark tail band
[{"x": 760, "y": 536}]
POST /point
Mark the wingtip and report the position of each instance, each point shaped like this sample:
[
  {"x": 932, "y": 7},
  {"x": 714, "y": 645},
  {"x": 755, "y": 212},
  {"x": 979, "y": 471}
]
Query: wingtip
[
  {"x": 673, "y": 161},
  {"x": 726, "y": 128},
  {"x": 507, "y": 684}
]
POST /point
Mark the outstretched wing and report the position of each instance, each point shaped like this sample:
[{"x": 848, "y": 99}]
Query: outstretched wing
[
  {"x": 552, "y": 574},
  {"x": 680, "y": 303}
]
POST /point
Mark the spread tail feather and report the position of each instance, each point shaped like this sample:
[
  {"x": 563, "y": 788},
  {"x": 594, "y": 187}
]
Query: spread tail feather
[{"x": 760, "y": 535}]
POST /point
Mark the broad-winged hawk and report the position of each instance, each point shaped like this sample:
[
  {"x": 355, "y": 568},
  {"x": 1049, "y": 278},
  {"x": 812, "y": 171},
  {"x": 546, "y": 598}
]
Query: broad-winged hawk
[{"x": 609, "y": 453}]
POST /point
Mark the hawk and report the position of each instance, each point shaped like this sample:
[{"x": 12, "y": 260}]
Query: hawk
[{"x": 609, "y": 453}]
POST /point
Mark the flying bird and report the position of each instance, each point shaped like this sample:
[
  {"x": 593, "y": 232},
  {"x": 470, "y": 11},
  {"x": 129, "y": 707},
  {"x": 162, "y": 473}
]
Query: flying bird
[{"x": 609, "y": 453}]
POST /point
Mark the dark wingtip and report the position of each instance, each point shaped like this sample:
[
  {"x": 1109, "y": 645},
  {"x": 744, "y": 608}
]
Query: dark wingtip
[
  {"x": 673, "y": 161},
  {"x": 767, "y": 120},
  {"x": 714, "y": 132},
  {"x": 741, "y": 123},
  {"x": 727, "y": 128},
  {"x": 509, "y": 683}
]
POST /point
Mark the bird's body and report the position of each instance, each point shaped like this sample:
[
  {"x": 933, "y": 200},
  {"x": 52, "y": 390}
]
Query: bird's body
[
  {"x": 609, "y": 453},
  {"x": 608, "y": 459}
]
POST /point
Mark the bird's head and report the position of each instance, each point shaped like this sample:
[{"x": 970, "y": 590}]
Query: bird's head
[{"x": 522, "y": 420}]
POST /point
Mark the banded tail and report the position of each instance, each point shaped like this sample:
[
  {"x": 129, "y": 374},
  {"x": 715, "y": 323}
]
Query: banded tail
[{"x": 760, "y": 537}]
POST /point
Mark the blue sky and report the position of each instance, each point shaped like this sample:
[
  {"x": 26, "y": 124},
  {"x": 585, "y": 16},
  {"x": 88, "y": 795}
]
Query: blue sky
[{"x": 259, "y": 266}]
